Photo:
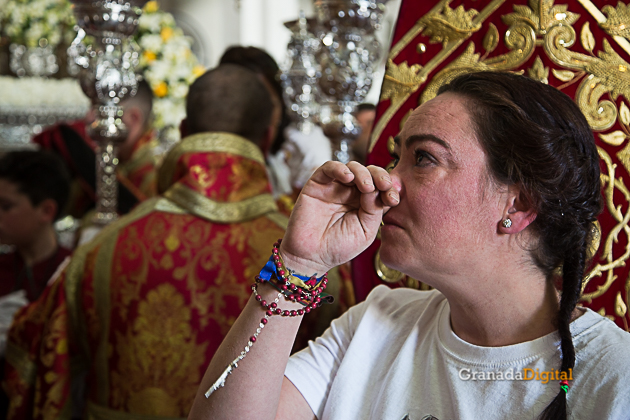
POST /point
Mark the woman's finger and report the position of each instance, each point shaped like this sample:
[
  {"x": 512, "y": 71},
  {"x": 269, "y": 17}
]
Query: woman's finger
[
  {"x": 382, "y": 180},
  {"x": 332, "y": 171},
  {"x": 390, "y": 198},
  {"x": 362, "y": 177}
]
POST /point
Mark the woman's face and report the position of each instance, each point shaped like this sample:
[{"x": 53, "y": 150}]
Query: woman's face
[{"x": 449, "y": 211}]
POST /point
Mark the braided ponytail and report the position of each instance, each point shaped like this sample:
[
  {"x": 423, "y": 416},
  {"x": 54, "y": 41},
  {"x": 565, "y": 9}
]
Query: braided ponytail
[{"x": 573, "y": 271}]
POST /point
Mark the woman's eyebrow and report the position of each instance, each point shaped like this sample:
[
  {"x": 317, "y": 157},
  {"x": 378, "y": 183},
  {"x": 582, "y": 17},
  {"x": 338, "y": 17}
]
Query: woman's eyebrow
[{"x": 422, "y": 137}]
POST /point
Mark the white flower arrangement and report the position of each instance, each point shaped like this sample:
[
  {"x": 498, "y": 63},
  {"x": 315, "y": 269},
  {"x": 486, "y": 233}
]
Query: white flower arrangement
[
  {"x": 166, "y": 59},
  {"x": 38, "y": 22},
  {"x": 168, "y": 65},
  {"x": 33, "y": 92}
]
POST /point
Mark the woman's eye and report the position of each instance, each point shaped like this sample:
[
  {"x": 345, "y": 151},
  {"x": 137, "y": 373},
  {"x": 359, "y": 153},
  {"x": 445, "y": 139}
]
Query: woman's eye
[{"x": 422, "y": 158}]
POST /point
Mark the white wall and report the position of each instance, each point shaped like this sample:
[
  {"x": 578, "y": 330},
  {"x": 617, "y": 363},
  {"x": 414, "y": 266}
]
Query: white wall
[{"x": 218, "y": 24}]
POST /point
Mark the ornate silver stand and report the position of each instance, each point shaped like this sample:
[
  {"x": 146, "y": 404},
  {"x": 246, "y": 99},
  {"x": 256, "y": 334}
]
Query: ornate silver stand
[
  {"x": 300, "y": 79},
  {"x": 107, "y": 77},
  {"x": 347, "y": 57}
]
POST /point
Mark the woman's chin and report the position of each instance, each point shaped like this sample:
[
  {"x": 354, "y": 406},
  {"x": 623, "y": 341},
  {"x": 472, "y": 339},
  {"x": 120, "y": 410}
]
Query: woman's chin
[{"x": 391, "y": 258}]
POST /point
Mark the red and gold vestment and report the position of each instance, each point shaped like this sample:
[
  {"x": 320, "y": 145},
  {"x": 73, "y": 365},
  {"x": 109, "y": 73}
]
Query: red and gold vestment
[{"x": 140, "y": 310}]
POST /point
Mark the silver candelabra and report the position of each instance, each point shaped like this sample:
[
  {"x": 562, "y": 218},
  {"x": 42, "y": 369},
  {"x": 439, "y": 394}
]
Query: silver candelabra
[
  {"x": 299, "y": 80},
  {"x": 349, "y": 52},
  {"x": 107, "y": 57}
]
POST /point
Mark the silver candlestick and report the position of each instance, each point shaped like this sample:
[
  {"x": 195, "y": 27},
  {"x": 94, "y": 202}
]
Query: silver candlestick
[
  {"x": 107, "y": 76},
  {"x": 299, "y": 80},
  {"x": 348, "y": 55}
]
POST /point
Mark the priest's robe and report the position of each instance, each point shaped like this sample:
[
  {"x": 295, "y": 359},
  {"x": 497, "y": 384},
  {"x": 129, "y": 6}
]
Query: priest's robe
[{"x": 137, "y": 315}]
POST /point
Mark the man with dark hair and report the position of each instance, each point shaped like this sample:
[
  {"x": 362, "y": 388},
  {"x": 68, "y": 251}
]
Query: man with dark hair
[
  {"x": 260, "y": 62},
  {"x": 136, "y": 170},
  {"x": 144, "y": 306},
  {"x": 212, "y": 93},
  {"x": 34, "y": 188}
]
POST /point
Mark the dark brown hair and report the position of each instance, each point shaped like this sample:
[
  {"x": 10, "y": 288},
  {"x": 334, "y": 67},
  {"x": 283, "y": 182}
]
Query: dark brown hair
[
  {"x": 232, "y": 99},
  {"x": 39, "y": 175},
  {"x": 260, "y": 62},
  {"x": 536, "y": 137}
]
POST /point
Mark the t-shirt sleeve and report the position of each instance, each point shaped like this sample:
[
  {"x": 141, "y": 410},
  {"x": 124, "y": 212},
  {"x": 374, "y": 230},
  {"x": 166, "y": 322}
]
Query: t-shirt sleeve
[{"x": 312, "y": 369}]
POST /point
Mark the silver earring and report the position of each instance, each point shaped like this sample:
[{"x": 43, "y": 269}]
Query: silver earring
[{"x": 506, "y": 223}]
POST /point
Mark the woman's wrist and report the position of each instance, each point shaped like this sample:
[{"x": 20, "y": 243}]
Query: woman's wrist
[{"x": 302, "y": 266}]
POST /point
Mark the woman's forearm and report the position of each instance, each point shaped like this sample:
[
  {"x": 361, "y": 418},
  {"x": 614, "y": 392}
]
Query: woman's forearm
[{"x": 253, "y": 389}]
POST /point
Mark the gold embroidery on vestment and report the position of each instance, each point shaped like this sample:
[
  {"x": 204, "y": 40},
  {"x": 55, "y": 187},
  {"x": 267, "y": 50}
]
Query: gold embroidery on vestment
[
  {"x": 215, "y": 211},
  {"x": 206, "y": 143}
]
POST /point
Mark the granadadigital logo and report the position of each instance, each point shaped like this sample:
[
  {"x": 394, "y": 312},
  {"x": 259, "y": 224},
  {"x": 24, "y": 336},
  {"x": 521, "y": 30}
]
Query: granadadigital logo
[{"x": 511, "y": 374}]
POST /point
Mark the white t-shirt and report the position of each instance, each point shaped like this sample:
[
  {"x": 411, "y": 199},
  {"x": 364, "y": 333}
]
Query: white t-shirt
[{"x": 395, "y": 355}]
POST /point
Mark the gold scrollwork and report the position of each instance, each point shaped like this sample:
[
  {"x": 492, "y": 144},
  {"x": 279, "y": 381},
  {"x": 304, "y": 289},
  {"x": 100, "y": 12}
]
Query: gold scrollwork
[
  {"x": 613, "y": 70},
  {"x": 601, "y": 115},
  {"x": 541, "y": 15},
  {"x": 447, "y": 50},
  {"x": 451, "y": 24},
  {"x": 618, "y": 22},
  {"x": 520, "y": 39},
  {"x": 400, "y": 81},
  {"x": 539, "y": 72},
  {"x": 610, "y": 183}
]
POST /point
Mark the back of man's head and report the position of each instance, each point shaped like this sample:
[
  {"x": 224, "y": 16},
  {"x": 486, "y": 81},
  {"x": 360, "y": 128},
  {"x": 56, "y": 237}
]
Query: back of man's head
[
  {"x": 231, "y": 99},
  {"x": 39, "y": 175}
]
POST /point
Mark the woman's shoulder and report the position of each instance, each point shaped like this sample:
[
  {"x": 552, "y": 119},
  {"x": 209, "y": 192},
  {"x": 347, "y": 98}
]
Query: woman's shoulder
[{"x": 598, "y": 339}]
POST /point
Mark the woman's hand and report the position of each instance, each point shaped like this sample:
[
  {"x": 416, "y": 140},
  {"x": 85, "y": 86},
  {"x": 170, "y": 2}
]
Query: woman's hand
[{"x": 337, "y": 216}]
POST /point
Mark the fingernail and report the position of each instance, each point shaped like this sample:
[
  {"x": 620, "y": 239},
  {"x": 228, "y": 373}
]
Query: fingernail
[
  {"x": 367, "y": 182},
  {"x": 386, "y": 178},
  {"x": 394, "y": 197}
]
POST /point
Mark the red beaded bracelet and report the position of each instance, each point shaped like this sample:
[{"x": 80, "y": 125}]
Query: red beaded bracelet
[{"x": 285, "y": 282}]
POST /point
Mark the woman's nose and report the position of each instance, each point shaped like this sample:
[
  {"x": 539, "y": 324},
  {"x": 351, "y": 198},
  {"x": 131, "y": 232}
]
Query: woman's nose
[{"x": 396, "y": 180}]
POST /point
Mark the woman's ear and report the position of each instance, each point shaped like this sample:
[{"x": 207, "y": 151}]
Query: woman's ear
[{"x": 518, "y": 213}]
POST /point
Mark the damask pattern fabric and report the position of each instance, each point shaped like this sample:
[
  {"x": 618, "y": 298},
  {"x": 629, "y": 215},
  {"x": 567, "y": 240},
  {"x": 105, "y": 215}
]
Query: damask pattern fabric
[{"x": 144, "y": 306}]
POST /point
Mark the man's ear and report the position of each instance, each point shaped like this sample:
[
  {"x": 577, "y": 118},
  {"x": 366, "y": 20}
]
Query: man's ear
[
  {"x": 518, "y": 210},
  {"x": 267, "y": 140},
  {"x": 48, "y": 210},
  {"x": 183, "y": 128}
]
